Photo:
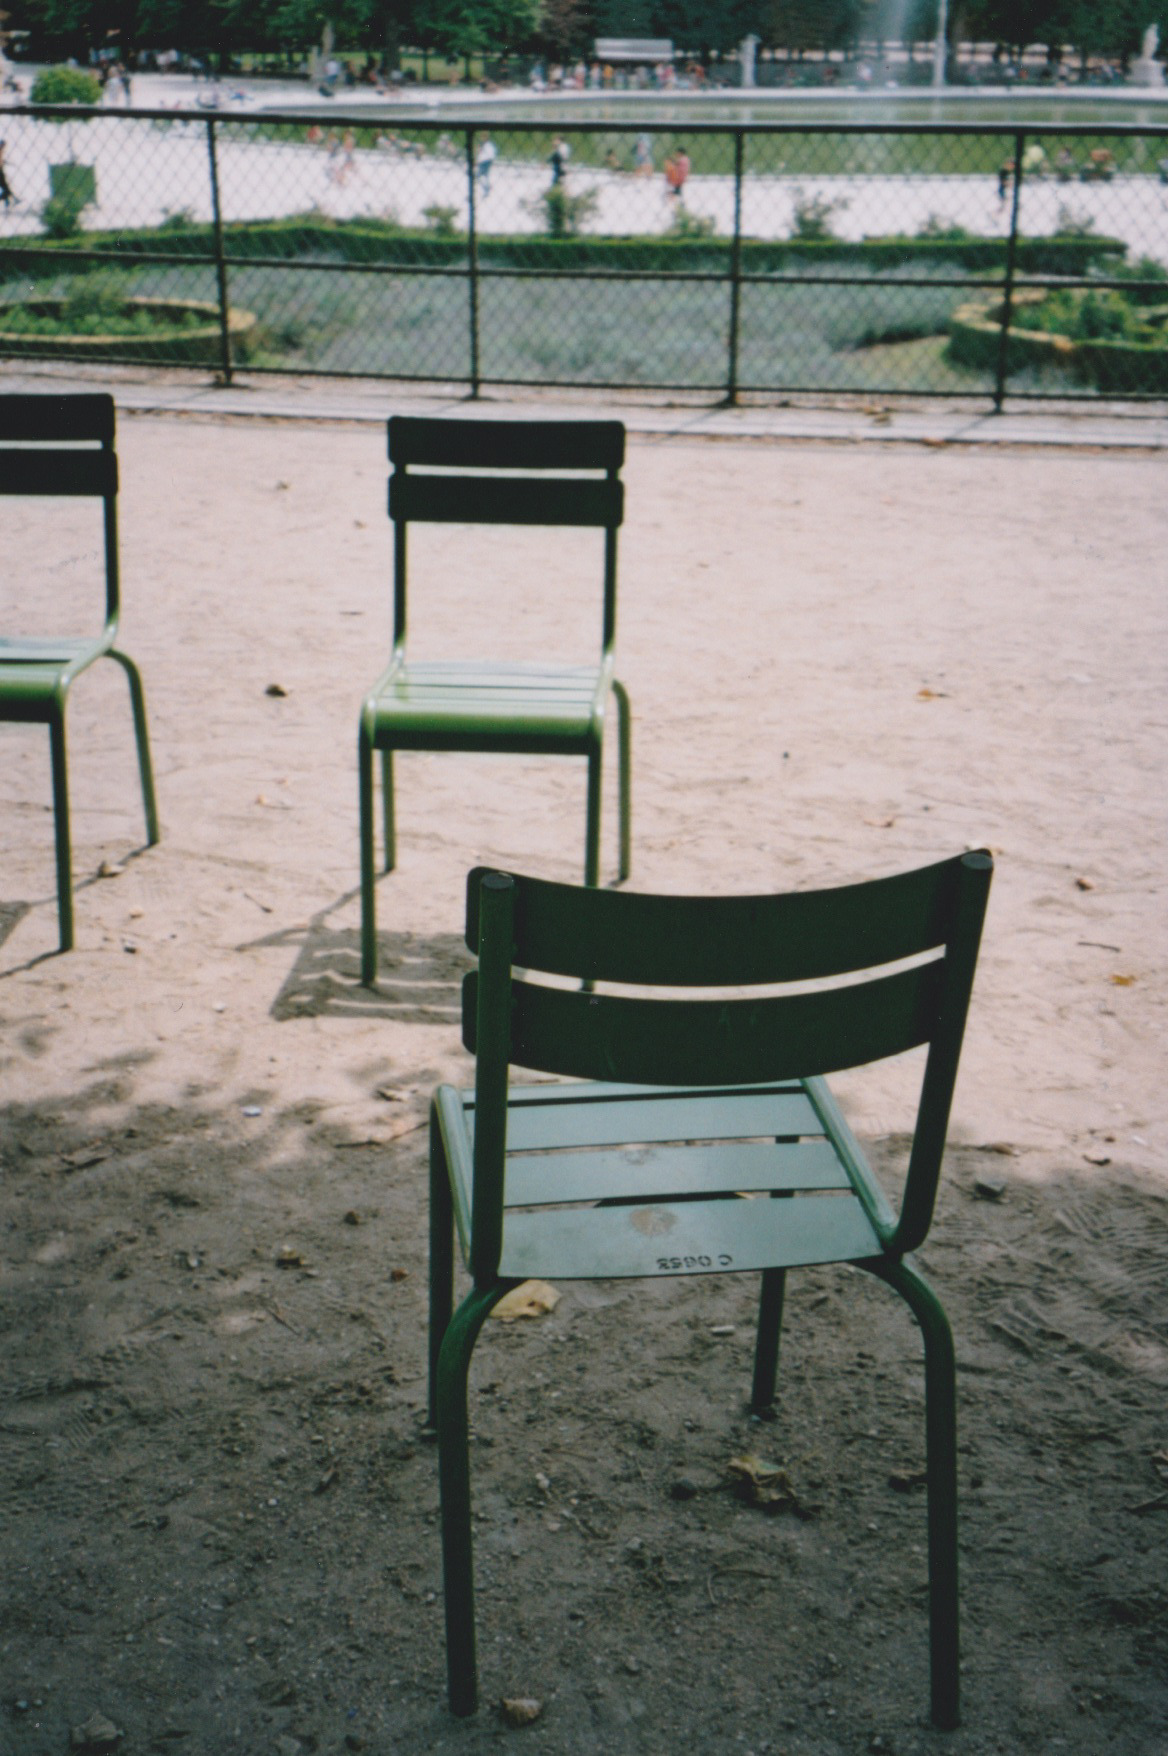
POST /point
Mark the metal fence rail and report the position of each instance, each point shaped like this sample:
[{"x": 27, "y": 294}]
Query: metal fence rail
[{"x": 922, "y": 259}]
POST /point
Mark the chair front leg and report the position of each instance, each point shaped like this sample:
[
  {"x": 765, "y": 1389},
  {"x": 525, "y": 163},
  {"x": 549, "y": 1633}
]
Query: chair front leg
[
  {"x": 142, "y": 738},
  {"x": 941, "y": 1464},
  {"x": 625, "y": 748},
  {"x": 454, "y": 1475},
  {"x": 368, "y": 898},
  {"x": 64, "y": 840}
]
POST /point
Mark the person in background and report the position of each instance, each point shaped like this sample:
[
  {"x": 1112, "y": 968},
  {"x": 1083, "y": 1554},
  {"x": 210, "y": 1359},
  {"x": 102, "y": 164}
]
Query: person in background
[
  {"x": 676, "y": 171},
  {"x": 487, "y": 154}
]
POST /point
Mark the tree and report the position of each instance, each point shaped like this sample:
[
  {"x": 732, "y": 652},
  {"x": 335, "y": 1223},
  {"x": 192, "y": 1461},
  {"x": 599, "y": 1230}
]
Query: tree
[{"x": 799, "y": 25}]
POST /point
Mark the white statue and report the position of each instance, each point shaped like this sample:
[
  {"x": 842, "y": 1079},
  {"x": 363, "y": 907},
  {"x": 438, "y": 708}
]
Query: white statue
[{"x": 1146, "y": 70}]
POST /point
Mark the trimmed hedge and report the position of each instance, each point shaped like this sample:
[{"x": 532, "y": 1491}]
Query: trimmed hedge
[
  {"x": 360, "y": 241},
  {"x": 975, "y": 337}
]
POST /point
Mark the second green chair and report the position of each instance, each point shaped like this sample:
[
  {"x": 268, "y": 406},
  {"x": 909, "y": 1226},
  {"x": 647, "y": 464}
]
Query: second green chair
[{"x": 557, "y": 473}]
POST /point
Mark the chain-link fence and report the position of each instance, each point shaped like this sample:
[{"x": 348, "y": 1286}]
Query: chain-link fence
[{"x": 919, "y": 259}]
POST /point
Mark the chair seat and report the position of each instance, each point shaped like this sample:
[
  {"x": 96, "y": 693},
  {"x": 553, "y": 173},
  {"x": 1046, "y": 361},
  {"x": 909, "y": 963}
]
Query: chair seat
[
  {"x": 615, "y": 1181},
  {"x": 30, "y": 671},
  {"x": 517, "y": 706},
  {"x": 60, "y": 649}
]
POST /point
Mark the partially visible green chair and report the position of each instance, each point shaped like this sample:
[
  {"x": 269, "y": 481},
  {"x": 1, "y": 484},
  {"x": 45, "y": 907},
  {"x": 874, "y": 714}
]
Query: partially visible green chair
[
  {"x": 63, "y": 447},
  {"x": 562, "y": 473},
  {"x": 687, "y": 1105}
]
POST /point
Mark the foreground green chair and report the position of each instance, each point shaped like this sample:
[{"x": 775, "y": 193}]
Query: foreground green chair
[
  {"x": 63, "y": 446},
  {"x": 544, "y": 710},
  {"x": 720, "y": 1098}
]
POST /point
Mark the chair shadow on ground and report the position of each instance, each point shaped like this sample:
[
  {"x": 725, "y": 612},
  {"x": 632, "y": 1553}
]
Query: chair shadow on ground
[
  {"x": 420, "y": 980},
  {"x": 11, "y": 915}
]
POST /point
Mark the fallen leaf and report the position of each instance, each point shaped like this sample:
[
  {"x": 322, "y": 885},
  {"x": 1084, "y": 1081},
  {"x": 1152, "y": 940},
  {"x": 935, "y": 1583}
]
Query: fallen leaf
[
  {"x": 932, "y": 695},
  {"x": 289, "y": 1257},
  {"x": 276, "y": 689},
  {"x": 1096, "y": 1158},
  {"x": 110, "y": 869},
  {"x": 1122, "y": 981},
  {"x": 519, "y": 1710},
  {"x": 399, "y": 1274},
  {"x": 1003, "y": 1148},
  {"x": 880, "y": 822},
  {"x": 1084, "y": 884},
  {"x": 903, "y": 1481},
  {"x": 767, "y": 1485},
  {"x": 534, "y": 1298},
  {"x": 83, "y": 1157},
  {"x": 97, "y": 1733}
]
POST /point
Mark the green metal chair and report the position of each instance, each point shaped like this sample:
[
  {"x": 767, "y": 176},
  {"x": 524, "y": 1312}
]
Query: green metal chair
[
  {"x": 533, "y": 710},
  {"x": 63, "y": 446},
  {"x": 682, "y": 1106}
]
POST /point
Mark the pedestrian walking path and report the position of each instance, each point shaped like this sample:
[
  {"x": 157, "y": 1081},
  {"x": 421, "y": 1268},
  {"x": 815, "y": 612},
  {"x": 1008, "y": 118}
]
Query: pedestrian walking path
[{"x": 139, "y": 390}]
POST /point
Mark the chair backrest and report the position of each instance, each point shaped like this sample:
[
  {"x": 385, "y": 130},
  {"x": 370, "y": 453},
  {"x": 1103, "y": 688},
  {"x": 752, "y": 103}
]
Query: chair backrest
[
  {"x": 561, "y": 473},
  {"x": 63, "y": 447},
  {"x": 893, "y": 958}
]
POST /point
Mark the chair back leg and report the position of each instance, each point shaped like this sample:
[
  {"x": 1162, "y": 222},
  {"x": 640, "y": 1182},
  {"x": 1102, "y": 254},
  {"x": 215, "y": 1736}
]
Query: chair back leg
[
  {"x": 368, "y": 888},
  {"x": 766, "y": 1347}
]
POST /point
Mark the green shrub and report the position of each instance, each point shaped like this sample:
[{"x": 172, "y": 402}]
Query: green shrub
[
  {"x": 1094, "y": 315},
  {"x": 177, "y": 219},
  {"x": 564, "y": 215},
  {"x": 66, "y": 85},
  {"x": 441, "y": 220},
  {"x": 61, "y": 216},
  {"x": 1072, "y": 224},
  {"x": 943, "y": 231},
  {"x": 811, "y": 221},
  {"x": 684, "y": 224}
]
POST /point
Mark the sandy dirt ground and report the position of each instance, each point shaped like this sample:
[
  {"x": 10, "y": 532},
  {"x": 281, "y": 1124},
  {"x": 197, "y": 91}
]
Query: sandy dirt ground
[{"x": 218, "y": 1510}]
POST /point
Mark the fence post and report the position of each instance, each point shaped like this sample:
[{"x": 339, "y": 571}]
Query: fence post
[
  {"x": 220, "y": 258},
  {"x": 735, "y": 271},
  {"x": 473, "y": 245},
  {"x": 1011, "y": 261}
]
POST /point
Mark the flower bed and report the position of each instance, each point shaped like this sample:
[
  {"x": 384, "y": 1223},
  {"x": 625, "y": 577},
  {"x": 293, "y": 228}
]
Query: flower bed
[
  {"x": 1108, "y": 364},
  {"x": 172, "y": 331}
]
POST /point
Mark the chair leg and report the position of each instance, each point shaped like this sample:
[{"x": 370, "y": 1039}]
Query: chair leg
[
  {"x": 142, "y": 737},
  {"x": 766, "y": 1348},
  {"x": 61, "y": 822},
  {"x": 624, "y": 729},
  {"x": 390, "y": 815},
  {"x": 441, "y": 1258},
  {"x": 454, "y": 1474},
  {"x": 941, "y": 1463},
  {"x": 368, "y": 897},
  {"x": 592, "y": 827}
]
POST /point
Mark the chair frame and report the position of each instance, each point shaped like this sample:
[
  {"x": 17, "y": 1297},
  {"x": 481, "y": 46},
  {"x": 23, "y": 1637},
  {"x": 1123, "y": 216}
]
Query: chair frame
[
  {"x": 63, "y": 447},
  {"x": 544, "y": 710},
  {"x": 771, "y": 1050}
]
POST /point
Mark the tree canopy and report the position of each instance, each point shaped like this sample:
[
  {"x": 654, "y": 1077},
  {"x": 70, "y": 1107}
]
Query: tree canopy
[{"x": 565, "y": 29}]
